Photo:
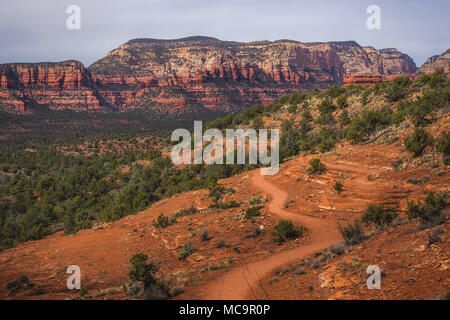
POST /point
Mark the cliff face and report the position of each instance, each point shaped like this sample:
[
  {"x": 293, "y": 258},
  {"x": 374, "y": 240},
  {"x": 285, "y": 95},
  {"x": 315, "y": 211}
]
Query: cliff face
[
  {"x": 25, "y": 87},
  {"x": 438, "y": 62},
  {"x": 189, "y": 74}
]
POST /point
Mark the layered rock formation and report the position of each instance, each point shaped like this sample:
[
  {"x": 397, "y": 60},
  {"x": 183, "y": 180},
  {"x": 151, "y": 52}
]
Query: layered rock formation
[
  {"x": 191, "y": 74},
  {"x": 438, "y": 62},
  {"x": 26, "y": 87},
  {"x": 362, "y": 80}
]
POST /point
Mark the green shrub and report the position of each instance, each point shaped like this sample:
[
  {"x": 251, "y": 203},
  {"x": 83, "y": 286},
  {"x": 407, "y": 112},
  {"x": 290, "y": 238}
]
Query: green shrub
[
  {"x": 341, "y": 101},
  {"x": 443, "y": 146},
  {"x": 378, "y": 216},
  {"x": 343, "y": 118},
  {"x": 303, "y": 128},
  {"x": 204, "y": 236},
  {"x": 338, "y": 186},
  {"x": 334, "y": 91},
  {"x": 325, "y": 118},
  {"x": 183, "y": 212},
  {"x": 21, "y": 284},
  {"x": 162, "y": 221},
  {"x": 429, "y": 214},
  {"x": 187, "y": 250},
  {"x": 431, "y": 211},
  {"x": 437, "y": 79},
  {"x": 298, "y": 98},
  {"x": 256, "y": 200},
  {"x": 365, "y": 96},
  {"x": 292, "y": 108},
  {"x": 368, "y": 122},
  {"x": 285, "y": 230},
  {"x": 396, "y": 89},
  {"x": 251, "y": 212},
  {"x": 233, "y": 204},
  {"x": 258, "y": 123},
  {"x": 420, "y": 111},
  {"x": 352, "y": 233},
  {"x": 326, "y": 145},
  {"x": 316, "y": 166},
  {"x": 74, "y": 222},
  {"x": 418, "y": 141},
  {"x": 326, "y": 106},
  {"x": 84, "y": 293},
  {"x": 398, "y": 117},
  {"x": 326, "y": 139},
  {"x": 225, "y": 205},
  {"x": 141, "y": 271},
  {"x": 216, "y": 192},
  {"x": 289, "y": 141},
  {"x": 306, "y": 115}
]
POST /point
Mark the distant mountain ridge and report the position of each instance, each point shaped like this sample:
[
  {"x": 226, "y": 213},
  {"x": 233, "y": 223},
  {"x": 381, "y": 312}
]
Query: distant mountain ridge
[
  {"x": 190, "y": 75},
  {"x": 437, "y": 62}
]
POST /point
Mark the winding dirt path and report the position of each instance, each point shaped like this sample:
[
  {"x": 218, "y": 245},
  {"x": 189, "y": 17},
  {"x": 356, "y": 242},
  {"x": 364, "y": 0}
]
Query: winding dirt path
[{"x": 243, "y": 282}]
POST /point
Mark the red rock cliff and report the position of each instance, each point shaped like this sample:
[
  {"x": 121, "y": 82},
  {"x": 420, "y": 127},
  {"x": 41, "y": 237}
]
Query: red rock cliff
[
  {"x": 58, "y": 86},
  {"x": 181, "y": 75}
]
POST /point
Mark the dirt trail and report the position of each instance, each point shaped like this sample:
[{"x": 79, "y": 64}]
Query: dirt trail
[{"x": 243, "y": 282}]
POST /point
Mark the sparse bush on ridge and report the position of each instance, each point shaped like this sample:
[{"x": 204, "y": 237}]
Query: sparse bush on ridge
[
  {"x": 21, "y": 284},
  {"x": 341, "y": 101},
  {"x": 368, "y": 122},
  {"x": 285, "y": 230},
  {"x": 334, "y": 91},
  {"x": 204, "y": 236},
  {"x": 352, "y": 233},
  {"x": 225, "y": 205},
  {"x": 216, "y": 192},
  {"x": 255, "y": 200},
  {"x": 251, "y": 212},
  {"x": 378, "y": 216},
  {"x": 141, "y": 271},
  {"x": 292, "y": 108},
  {"x": 443, "y": 146},
  {"x": 221, "y": 243},
  {"x": 316, "y": 167},
  {"x": 338, "y": 186},
  {"x": 343, "y": 118},
  {"x": 429, "y": 214},
  {"x": 418, "y": 141},
  {"x": 162, "y": 221},
  {"x": 187, "y": 250},
  {"x": 396, "y": 89}
]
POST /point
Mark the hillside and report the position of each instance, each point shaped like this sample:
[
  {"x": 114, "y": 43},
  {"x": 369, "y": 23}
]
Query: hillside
[{"x": 382, "y": 147}]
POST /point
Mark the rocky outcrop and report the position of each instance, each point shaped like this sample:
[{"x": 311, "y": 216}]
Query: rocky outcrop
[
  {"x": 434, "y": 63},
  {"x": 192, "y": 74},
  {"x": 362, "y": 80}
]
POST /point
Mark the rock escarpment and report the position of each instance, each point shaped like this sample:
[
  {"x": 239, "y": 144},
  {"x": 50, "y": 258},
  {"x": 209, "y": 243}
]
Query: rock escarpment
[
  {"x": 68, "y": 85},
  {"x": 192, "y": 74},
  {"x": 438, "y": 62}
]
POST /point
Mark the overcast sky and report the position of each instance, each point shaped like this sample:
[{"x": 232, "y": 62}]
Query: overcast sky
[{"x": 35, "y": 31}]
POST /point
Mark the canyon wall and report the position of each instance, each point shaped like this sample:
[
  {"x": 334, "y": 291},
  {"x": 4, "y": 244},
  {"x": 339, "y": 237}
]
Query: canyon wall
[
  {"x": 191, "y": 74},
  {"x": 68, "y": 85}
]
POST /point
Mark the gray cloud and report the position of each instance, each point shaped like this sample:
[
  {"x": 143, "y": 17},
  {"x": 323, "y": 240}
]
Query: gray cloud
[{"x": 35, "y": 31}]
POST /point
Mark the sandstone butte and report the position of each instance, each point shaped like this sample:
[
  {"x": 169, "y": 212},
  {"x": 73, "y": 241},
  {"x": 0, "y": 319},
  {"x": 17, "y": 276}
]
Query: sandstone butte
[{"x": 193, "y": 74}]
